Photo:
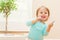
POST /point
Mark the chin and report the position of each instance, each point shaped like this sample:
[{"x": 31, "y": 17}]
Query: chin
[{"x": 44, "y": 20}]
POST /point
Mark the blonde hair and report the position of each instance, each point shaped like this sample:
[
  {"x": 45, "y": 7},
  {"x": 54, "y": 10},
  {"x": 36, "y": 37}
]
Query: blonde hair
[{"x": 40, "y": 8}]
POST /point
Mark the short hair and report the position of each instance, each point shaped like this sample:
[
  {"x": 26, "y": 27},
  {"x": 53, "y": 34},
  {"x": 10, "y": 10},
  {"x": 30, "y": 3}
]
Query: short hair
[{"x": 40, "y": 8}]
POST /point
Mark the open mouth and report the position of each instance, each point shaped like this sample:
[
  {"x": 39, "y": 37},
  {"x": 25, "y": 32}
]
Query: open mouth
[{"x": 43, "y": 16}]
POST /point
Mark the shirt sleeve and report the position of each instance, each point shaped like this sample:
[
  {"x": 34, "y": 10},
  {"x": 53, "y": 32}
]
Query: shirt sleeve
[
  {"x": 29, "y": 23},
  {"x": 45, "y": 31}
]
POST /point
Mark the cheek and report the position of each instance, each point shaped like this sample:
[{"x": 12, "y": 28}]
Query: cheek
[
  {"x": 39, "y": 15},
  {"x": 46, "y": 15}
]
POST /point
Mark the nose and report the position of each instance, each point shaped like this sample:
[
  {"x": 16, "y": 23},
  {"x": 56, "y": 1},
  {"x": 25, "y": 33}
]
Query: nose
[{"x": 43, "y": 13}]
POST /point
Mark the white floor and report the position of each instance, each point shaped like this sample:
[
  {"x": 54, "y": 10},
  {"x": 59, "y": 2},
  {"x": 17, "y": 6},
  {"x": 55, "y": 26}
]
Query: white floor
[{"x": 16, "y": 37}]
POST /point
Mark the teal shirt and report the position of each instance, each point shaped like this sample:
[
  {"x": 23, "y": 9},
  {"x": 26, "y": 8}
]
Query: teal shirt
[{"x": 37, "y": 30}]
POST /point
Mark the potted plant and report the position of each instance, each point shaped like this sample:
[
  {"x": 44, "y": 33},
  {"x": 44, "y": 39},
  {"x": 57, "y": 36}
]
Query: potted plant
[{"x": 5, "y": 7}]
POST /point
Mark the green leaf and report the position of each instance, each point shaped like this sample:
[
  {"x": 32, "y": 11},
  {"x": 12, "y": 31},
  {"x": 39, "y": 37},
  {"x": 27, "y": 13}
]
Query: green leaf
[{"x": 7, "y": 5}]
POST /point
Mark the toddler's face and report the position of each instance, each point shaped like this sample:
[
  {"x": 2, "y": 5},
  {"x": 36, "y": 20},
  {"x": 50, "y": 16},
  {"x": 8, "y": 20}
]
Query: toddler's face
[{"x": 43, "y": 14}]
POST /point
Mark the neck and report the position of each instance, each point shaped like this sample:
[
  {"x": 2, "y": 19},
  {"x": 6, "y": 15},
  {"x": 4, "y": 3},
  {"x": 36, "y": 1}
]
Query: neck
[{"x": 42, "y": 21}]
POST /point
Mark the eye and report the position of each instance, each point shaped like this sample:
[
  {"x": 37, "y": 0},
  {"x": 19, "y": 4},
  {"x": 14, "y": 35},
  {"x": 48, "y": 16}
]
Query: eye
[
  {"x": 46, "y": 13},
  {"x": 41, "y": 12}
]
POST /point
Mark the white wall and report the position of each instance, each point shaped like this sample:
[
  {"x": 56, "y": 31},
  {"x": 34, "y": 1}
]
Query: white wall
[{"x": 54, "y": 7}]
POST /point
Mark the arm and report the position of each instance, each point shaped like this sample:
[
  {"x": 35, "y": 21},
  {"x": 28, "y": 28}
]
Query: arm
[
  {"x": 29, "y": 23},
  {"x": 49, "y": 27},
  {"x": 37, "y": 19},
  {"x": 34, "y": 21}
]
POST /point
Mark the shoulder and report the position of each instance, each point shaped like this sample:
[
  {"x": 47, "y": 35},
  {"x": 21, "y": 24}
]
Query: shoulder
[{"x": 31, "y": 19}]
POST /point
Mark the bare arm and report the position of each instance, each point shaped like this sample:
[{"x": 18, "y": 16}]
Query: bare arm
[
  {"x": 49, "y": 27},
  {"x": 34, "y": 21},
  {"x": 37, "y": 19}
]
